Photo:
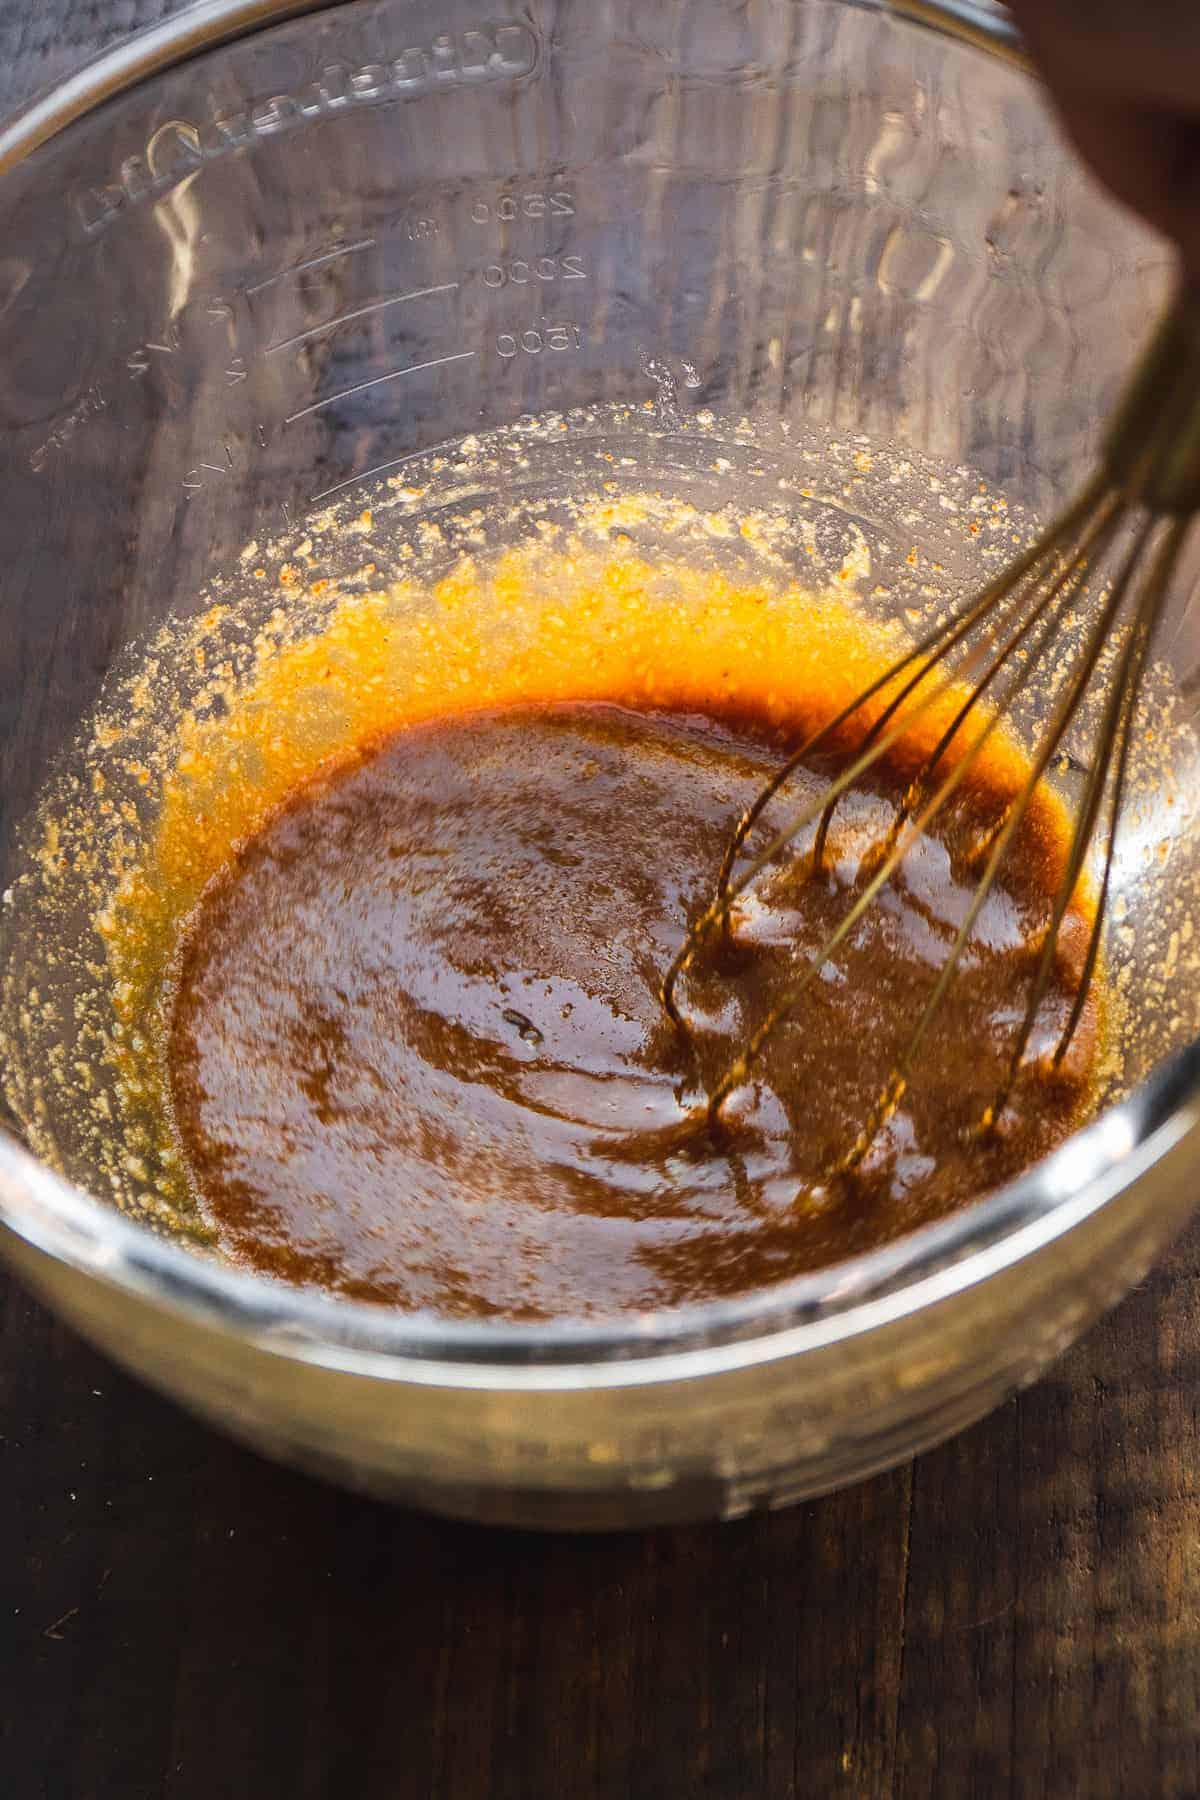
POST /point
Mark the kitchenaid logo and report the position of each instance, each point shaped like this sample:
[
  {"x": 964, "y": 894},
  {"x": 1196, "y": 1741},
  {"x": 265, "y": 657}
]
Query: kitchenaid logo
[{"x": 489, "y": 52}]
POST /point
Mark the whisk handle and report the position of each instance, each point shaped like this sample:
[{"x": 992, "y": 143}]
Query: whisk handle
[
  {"x": 1152, "y": 450},
  {"x": 970, "y": 23}
]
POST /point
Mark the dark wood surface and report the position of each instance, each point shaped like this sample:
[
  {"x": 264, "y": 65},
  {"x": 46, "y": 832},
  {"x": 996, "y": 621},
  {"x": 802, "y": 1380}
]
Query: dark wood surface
[{"x": 1016, "y": 1614}]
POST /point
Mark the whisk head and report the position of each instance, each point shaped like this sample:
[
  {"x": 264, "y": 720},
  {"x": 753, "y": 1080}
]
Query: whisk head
[{"x": 1084, "y": 602}]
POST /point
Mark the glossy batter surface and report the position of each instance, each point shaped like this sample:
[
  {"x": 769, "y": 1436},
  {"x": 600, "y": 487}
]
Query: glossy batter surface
[{"x": 417, "y": 1052}]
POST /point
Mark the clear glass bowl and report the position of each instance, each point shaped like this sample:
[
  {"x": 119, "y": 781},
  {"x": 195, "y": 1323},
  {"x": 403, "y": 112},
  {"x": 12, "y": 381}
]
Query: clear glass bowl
[{"x": 252, "y": 262}]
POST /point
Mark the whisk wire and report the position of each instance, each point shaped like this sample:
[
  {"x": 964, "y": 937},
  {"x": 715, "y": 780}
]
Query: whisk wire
[
  {"x": 1002, "y": 840},
  {"x": 1092, "y": 798},
  {"x": 1064, "y": 587},
  {"x": 996, "y": 645},
  {"x": 934, "y": 647},
  {"x": 1149, "y": 614},
  {"x": 899, "y": 729},
  {"x": 1062, "y": 590}
]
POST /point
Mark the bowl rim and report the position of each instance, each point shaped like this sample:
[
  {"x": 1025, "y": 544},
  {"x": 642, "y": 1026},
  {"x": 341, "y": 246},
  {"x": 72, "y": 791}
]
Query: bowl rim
[
  {"x": 207, "y": 24},
  {"x": 57, "y": 1218}
]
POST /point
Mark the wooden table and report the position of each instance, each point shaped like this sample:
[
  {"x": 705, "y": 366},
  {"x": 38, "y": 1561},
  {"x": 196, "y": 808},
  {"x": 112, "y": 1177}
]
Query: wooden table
[{"x": 1017, "y": 1613}]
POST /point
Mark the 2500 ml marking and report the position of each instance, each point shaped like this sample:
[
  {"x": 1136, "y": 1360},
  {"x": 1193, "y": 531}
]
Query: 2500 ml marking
[{"x": 536, "y": 205}]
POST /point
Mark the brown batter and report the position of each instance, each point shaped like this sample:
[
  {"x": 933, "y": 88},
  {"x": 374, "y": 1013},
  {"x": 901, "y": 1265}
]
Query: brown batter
[{"x": 418, "y": 1055}]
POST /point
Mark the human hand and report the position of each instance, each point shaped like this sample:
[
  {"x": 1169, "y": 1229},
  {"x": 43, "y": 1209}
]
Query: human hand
[{"x": 1125, "y": 75}]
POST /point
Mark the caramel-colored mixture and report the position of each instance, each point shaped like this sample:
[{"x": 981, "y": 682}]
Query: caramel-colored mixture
[
  {"x": 385, "y": 912},
  {"x": 418, "y": 1056}
]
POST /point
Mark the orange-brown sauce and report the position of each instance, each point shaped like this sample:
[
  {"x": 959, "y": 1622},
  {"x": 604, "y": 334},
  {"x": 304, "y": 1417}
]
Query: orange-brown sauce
[{"x": 416, "y": 1048}]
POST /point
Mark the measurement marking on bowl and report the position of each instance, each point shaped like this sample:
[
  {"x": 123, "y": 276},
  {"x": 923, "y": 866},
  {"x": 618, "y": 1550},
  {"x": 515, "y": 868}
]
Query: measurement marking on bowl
[
  {"x": 312, "y": 262},
  {"x": 521, "y": 270},
  {"x": 394, "y": 462},
  {"x": 547, "y": 334},
  {"x": 193, "y": 480},
  {"x": 435, "y": 362},
  {"x": 536, "y": 205},
  {"x": 359, "y": 312}
]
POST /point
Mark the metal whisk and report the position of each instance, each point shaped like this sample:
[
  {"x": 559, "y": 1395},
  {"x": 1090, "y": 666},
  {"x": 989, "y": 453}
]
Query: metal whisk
[{"x": 1140, "y": 506}]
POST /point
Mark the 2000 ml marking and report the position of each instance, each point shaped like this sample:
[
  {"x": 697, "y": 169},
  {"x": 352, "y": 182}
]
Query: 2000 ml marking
[
  {"x": 521, "y": 271},
  {"x": 501, "y": 50}
]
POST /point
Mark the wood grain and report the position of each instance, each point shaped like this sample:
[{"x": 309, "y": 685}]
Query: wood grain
[{"x": 1017, "y": 1614}]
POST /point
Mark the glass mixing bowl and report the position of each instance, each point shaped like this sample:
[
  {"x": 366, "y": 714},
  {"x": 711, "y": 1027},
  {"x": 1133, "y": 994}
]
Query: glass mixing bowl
[{"x": 252, "y": 263}]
